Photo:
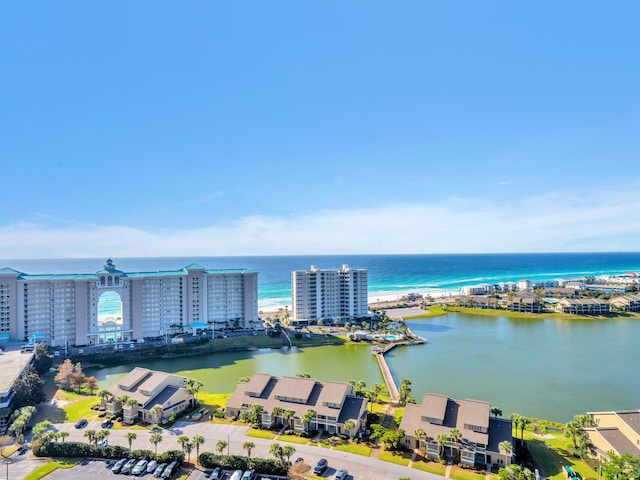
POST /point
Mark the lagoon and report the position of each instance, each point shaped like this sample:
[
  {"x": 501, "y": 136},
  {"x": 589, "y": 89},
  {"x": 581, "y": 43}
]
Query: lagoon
[{"x": 545, "y": 368}]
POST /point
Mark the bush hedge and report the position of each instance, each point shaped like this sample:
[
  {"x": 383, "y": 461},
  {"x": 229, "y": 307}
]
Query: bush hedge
[{"x": 80, "y": 449}]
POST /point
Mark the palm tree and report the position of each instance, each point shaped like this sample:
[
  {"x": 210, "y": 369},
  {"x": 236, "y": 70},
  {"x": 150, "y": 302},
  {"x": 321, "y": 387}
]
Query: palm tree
[
  {"x": 276, "y": 450},
  {"x": 197, "y": 440},
  {"x": 455, "y": 436},
  {"x": 307, "y": 417},
  {"x": 155, "y": 439},
  {"x": 349, "y": 425},
  {"x": 496, "y": 412},
  {"x": 194, "y": 386},
  {"x": 63, "y": 434},
  {"x": 419, "y": 433},
  {"x": 287, "y": 451},
  {"x": 377, "y": 388},
  {"x": 275, "y": 413},
  {"x": 248, "y": 446},
  {"x": 515, "y": 421},
  {"x": 130, "y": 436},
  {"x": 288, "y": 415},
  {"x": 584, "y": 420},
  {"x": 104, "y": 394},
  {"x": 506, "y": 447},
  {"x": 91, "y": 436},
  {"x": 220, "y": 446},
  {"x": 101, "y": 435},
  {"x": 157, "y": 412},
  {"x": 572, "y": 431},
  {"x": 132, "y": 403},
  {"x": 524, "y": 421},
  {"x": 442, "y": 439},
  {"x": 188, "y": 447},
  {"x": 183, "y": 440}
]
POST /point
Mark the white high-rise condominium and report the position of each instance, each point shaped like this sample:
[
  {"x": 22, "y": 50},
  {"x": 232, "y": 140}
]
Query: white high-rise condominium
[
  {"x": 329, "y": 294},
  {"x": 114, "y": 306}
]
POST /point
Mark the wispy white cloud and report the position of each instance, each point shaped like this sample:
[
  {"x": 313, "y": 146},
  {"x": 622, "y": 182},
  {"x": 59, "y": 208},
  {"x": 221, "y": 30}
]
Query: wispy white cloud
[
  {"x": 555, "y": 221},
  {"x": 209, "y": 197}
]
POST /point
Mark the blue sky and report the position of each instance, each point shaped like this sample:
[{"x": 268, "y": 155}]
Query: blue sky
[{"x": 201, "y": 128}]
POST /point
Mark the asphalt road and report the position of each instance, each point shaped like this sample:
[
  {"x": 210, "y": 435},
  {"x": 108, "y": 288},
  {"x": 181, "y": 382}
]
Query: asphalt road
[{"x": 359, "y": 467}]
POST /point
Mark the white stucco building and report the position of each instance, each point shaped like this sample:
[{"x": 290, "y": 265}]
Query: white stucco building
[
  {"x": 329, "y": 294},
  {"x": 114, "y": 306}
]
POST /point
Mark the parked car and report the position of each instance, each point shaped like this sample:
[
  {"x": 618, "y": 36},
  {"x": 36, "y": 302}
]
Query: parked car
[
  {"x": 151, "y": 467},
  {"x": 237, "y": 475},
  {"x": 159, "y": 469},
  {"x": 217, "y": 473},
  {"x": 81, "y": 423},
  {"x": 106, "y": 423},
  {"x": 298, "y": 460},
  {"x": 321, "y": 466},
  {"x": 248, "y": 475},
  {"x": 342, "y": 474},
  {"x": 102, "y": 443},
  {"x": 118, "y": 466},
  {"x": 140, "y": 468},
  {"x": 169, "y": 470},
  {"x": 126, "y": 468}
]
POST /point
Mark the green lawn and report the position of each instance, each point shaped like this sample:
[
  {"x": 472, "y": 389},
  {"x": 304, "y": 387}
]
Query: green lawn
[
  {"x": 257, "y": 433},
  {"x": 552, "y": 453},
  {"x": 393, "y": 457},
  {"x": 47, "y": 468},
  {"x": 432, "y": 311},
  {"x": 213, "y": 401},
  {"x": 354, "y": 448},
  {"x": 397, "y": 418},
  {"x": 431, "y": 467},
  {"x": 81, "y": 408},
  {"x": 459, "y": 473},
  {"x": 293, "y": 439}
]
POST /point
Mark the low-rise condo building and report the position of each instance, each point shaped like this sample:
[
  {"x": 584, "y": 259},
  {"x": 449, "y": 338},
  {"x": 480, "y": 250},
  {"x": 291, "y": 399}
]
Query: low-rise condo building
[
  {"x": 329, "y": 294},
  {"x": 524, "y": 304},
  {"x": 480, "y": 437},
  {"x": 617, "y": 432},
  {"x": 115, "y": 306},
  {"x": 148, "y": 395},
  {"x": 582, "y": 306},
  {"x": 304, "y": 404},
  {"x": 626, "y": 303}
]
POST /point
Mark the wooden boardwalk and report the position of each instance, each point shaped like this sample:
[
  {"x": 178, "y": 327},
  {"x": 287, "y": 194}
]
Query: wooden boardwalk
[{"x": 379, "y": 351}]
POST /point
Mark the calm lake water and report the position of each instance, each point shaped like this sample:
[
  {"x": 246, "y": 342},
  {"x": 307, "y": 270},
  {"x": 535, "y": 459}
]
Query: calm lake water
[{"x": 542, "y": 368}]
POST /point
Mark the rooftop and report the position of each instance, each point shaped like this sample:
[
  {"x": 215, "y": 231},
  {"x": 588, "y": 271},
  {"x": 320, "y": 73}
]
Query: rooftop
[{"x": 12, "y": 361}]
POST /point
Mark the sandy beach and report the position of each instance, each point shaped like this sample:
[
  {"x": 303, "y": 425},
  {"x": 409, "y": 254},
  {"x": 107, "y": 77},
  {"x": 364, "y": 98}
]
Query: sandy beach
[{"x": 377, "y": 301}]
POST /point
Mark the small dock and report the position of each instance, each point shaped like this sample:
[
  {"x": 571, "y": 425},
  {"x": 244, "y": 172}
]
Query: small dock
[{"x": 379, "y": 352}]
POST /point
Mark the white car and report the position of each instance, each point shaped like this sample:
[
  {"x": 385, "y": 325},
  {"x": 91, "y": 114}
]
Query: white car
[
  {"x": 152, "y": 466},
  {"x": 140, "y": 468}
]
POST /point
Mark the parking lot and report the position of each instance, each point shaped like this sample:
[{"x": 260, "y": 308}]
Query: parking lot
[{"x": 100, "y": 469}]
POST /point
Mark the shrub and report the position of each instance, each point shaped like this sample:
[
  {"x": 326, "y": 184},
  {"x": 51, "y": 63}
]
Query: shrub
[
  {"x": 171, "y": 455},
  {"x": 143, "y": 454}
]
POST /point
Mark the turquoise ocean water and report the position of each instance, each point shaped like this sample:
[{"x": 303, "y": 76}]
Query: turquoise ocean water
[{"x": 388, "y": 274}]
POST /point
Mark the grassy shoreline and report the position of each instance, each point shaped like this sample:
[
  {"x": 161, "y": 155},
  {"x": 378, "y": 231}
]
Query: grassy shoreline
[{"x": 439, "y": 311}]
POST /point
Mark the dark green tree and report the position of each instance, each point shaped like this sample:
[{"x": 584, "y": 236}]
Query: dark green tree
[
  {"x": 42, "y": 358},
  {"x": 28, "y": 388}
]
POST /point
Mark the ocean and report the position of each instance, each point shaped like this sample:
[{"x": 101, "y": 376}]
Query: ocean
[{"x": 389, "y": 275}]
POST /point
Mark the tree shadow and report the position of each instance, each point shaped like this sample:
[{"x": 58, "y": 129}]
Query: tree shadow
[{"x": 548, "y": 461}]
